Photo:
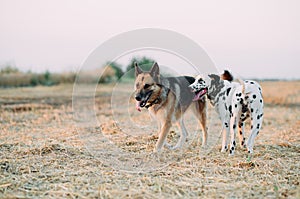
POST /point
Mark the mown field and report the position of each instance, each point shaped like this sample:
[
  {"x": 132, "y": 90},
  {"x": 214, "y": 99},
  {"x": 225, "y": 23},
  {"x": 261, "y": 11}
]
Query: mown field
[{"x": 45, "y": 153}]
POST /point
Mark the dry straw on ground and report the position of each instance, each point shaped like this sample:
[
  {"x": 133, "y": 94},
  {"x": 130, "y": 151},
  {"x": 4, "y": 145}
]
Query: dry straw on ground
[{"x": 43, "y": 155}]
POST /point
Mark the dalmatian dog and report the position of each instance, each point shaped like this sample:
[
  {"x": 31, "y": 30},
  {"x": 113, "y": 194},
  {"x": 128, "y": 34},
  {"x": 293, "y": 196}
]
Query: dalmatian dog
[{"x": 234, "y": 102}]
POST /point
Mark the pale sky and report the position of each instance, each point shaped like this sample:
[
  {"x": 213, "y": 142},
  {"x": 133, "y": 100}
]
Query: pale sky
[{"x": 259, "y": 39}]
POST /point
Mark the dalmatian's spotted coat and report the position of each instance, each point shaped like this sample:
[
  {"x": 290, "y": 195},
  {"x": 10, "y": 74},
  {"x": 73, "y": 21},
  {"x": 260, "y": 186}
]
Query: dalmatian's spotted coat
[{"x": 234, "y": 102}]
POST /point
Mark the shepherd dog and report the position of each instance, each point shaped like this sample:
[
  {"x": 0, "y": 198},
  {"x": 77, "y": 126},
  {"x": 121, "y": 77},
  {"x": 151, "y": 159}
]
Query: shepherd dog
[{"x": 167, "y": 99}]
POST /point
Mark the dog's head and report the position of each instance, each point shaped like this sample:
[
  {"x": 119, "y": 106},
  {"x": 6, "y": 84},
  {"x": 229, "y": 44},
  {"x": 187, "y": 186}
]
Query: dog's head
[
  {"x": 147, "y": 85},
  {"x": 203, "y": 86}
]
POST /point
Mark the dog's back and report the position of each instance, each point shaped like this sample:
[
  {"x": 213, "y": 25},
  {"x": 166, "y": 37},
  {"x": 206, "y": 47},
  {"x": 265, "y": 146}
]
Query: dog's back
[{"x": 179, "y": 87}]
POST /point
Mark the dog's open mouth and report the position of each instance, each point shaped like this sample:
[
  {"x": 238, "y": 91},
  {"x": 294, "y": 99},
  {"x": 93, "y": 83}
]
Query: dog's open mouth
[
  {"x": 200, "y": 94},
  {"x": 143, "y": 102}
]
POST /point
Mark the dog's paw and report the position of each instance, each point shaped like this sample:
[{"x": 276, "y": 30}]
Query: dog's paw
[
  {"x": 168, "y": 146},
  {"x": 176, "y": 147},
  {"x": 157, "y": 150},
  {"x": 224, "y": 149},
  {"x": 249, "y": 157},
  {"x": 250, "y": 150},
  {"x": 231, "y": 152},
  {"x": 153, "y": 155},
  {"x": 204, "y": 145},
  {"x": 242, "y": 145},
  {"x": 179, "y": 145}
]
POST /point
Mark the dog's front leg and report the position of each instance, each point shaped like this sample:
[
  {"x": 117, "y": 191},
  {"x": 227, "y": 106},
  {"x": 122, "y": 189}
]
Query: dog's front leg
[
  {"x": 166, "y": 144},
  {"x": 162, "y": 136},
  {"x": 232, "y": 134},
  {"x": 225, "y": 135}
]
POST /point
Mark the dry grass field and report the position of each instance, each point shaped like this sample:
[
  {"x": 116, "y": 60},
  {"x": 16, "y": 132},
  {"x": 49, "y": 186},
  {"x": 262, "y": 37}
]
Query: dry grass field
[{"x": 45, "y": 153}]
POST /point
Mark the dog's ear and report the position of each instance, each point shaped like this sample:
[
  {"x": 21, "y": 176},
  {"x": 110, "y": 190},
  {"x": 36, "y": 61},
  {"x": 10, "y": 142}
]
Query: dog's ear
[
  {"x": 214, "y": 77},
  {"x": 138, "y": 70},
  {"x": 154, "y": 72}
]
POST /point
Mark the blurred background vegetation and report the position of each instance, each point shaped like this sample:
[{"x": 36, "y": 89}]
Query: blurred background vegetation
[
  {"x": 11, "y": 76},
  {"x": 144, "y": 62}
]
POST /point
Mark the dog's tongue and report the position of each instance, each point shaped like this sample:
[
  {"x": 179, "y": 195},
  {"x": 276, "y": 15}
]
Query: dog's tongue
[
  {"x": 138, "y": 106},
  {"x": 199, "y": 95}
]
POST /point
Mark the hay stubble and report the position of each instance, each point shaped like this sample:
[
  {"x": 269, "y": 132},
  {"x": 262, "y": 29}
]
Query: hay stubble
[{"x": 42, "y": 153}]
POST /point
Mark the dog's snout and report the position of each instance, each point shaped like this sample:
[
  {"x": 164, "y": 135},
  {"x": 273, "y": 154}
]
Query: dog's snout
[
  {"x": 192, "y": 87},
  {"x": 138, "y": 97}
]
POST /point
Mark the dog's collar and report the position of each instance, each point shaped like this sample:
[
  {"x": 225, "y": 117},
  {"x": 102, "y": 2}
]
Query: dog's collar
[
  {"x": 156, "y": 101},
  {"x": 159, "y": 99}
]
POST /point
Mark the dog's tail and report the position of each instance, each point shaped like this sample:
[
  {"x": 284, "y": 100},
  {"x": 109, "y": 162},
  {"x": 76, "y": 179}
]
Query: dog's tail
[
  {"x": 227, "y": 76},
  {"x": 243, "y": 85},
  {"x": 244, "y": 101}
]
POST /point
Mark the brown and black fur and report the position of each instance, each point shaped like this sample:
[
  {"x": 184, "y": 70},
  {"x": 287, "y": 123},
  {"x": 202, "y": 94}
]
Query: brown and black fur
[
  {"x": 227, "y": 76},
  {"x": 167, "y": 99}
]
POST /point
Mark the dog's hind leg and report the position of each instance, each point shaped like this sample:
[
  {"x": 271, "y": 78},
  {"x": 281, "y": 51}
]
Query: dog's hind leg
[
  {"x": 204, "y": 128},
  {"x": 200, "y": 112},
  {"x": 232, "y": 127},
  {"x": 183, "y": 134},
  {"x": 241, "y": 133},
  {"x": 159, "y": 128},
  {"x": 256, "y": 124}
]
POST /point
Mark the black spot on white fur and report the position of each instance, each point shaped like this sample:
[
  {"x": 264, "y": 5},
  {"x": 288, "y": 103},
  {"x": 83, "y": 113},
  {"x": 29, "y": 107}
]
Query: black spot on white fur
[
  {"x": 230, "y": 109},
  {"x": 228, "y": 91},
  {"x": 226, "y": 124}
]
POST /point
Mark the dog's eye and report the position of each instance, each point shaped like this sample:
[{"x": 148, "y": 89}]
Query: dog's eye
[{"x": 146, "y": 86}]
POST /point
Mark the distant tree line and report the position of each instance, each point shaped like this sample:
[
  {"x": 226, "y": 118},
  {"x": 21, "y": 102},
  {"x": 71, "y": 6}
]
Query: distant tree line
[
  {"x": 11, "y": 76},
  {"x": 144, "y": 62}
]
